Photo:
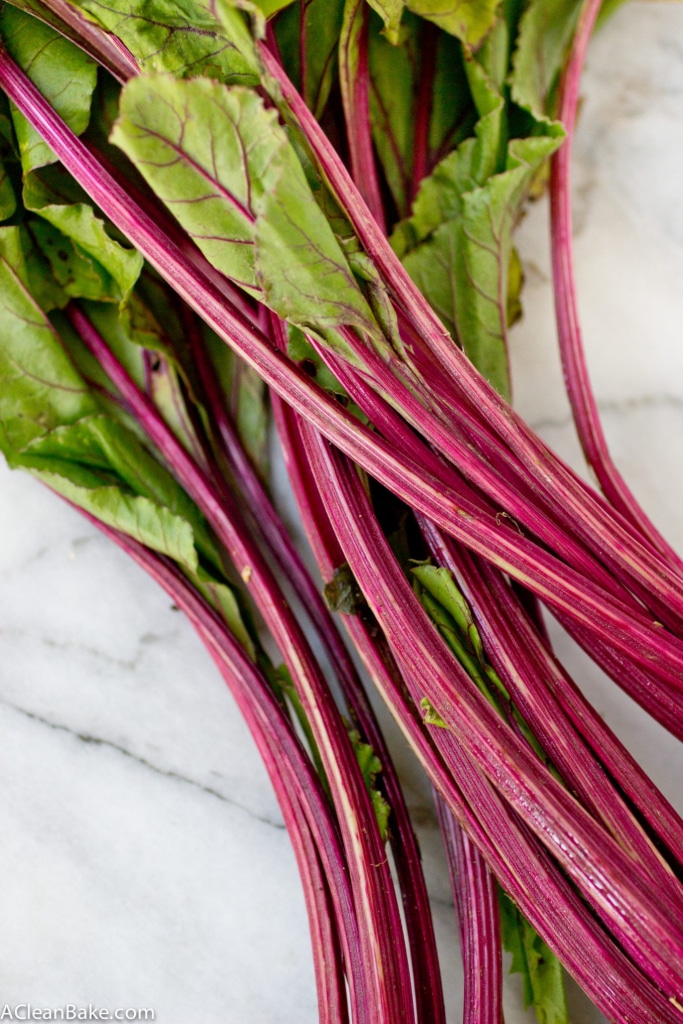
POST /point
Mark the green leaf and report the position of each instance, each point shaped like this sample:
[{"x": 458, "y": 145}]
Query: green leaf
[
  {"x": 79, "y": 223},
  {"x": 469, "y": 21},
  {"x": 225, "y": 601},
  {"x": 371, "y": 766},
  {"x": 19, "y": 249},
  {"x": 221, "y": 162},
  {"x": 542, "y": 975},
  {"x": 183, "y": 37},
  {"x": 39, "y": 388},
  {"x": 475, "y": 160},
  {"x": 396, "y": 73},
  {"x": 432, "y": 716},
  {"x": 545, "y": 32},
  {"x": 63, "y": 73},
  {"x": 77, "y": 274},
  {"x": 308, "y": 34},
  {"x": 270, "y": 7},
  {"x": 391, "y": 12},
  {"x": 463, "y": 269}
]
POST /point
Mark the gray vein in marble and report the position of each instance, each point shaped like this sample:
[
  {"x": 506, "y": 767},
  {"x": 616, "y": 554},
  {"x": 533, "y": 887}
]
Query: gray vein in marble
[
  {"x": 615, "y": 407},
  {"x": 98, "y": 741},
  {"x": 129, "y": 665}
]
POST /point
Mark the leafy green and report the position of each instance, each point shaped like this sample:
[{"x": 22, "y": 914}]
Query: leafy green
[
  {"x": 92, "y": 254},
  {"x": 545, "y": 31},
  {"x": 84, "y": 259},
  {"x": 441, "y": 585},
  {"x": 270, "y": 7},
  {"x": 180, "y": 36},
  {"x": 391, "y": 12},
  {"x": 396, "y": 74},
  {"x": 371, "y": 766},
  {"x": 52, "y": 425},
  {"x": 221, "y": 162},
  {"x": 542, "y": 975},
  {"x": 62, "y": 73},
  {"x": 308, "y": 33},
  {"x": 432, "y": 716},
  {"x": 458, "y": 243},
  {"x": 40, "y": 389},
  {"x": 470, "y": 22}
]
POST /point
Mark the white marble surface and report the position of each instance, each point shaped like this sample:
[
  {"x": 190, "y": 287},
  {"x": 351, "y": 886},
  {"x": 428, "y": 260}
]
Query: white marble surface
[{"x": 143, "y": 860}]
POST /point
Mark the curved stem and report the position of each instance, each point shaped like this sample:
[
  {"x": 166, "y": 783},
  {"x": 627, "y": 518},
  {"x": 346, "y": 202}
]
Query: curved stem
[
  {"x": 576, "y": 376},
  {"x": 371, "y": 881}
]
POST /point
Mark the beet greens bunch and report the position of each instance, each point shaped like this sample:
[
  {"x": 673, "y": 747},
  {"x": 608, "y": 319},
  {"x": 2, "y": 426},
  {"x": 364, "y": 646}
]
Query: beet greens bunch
[{"x": 203, "y": 202}]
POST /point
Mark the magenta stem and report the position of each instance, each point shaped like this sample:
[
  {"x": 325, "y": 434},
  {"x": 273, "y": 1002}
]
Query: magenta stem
[
  {"x": 476, "y": 907},
  {"x": 577, "y": 379}
]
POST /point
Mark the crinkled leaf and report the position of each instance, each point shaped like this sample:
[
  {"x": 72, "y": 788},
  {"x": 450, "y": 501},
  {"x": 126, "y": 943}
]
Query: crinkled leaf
[
  {"x": 371, "y": 766},
  {"x": 544, "y": 34},
  {"x": 19, "y": 249},
  {"x": 391, "y": 12},
  {"x": 452, "y": 116},
  {"x": 469, "y": 21},
  {"x": 475, "y": 160},
  {"x": 60, "y": 70},
  {"x": 180, "y": 36},
  {"x": 541, "y": 971},
  {"x": 393, "y": 76},
  {"x": 226, "y": 169}
]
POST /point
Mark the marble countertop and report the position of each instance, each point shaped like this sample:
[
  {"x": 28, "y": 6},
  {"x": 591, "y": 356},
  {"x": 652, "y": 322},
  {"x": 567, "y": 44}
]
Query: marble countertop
[{"x": 144, "y": 862}]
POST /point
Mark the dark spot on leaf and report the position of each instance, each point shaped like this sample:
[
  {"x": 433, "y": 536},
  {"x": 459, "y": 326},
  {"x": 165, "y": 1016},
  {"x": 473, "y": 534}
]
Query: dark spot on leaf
[
  {"x": 63, "y": 256},
  {"x": 342, "y": 593},
  {"x": 343, "y": 400},
  {"x": 309, "y": 367}
]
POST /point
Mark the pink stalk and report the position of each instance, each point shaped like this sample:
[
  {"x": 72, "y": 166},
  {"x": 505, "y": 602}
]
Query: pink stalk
[
  {"x": 494, "y": 601},
  {"x": 424, "y": 957},
  {"x": 476, "y": 906},
  {"x": 615, "y": 885},
  {"x": 577, "y": 378},
  {"x": 305, "y": 809},
  {"x": 426, "y": 977},
  {"x": 354, "y": 80},
  {"x": 518, "y": 861},
  {"x": 599, "y": 530},
  {"x": 541, "y": 573},
  {"x": 371, "y": 880},
  {"x": 517, "y": 656}
]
